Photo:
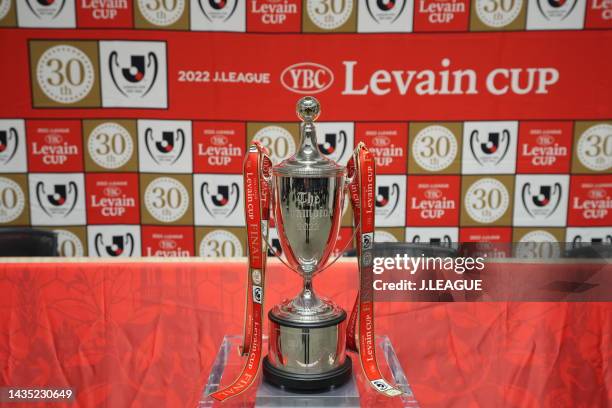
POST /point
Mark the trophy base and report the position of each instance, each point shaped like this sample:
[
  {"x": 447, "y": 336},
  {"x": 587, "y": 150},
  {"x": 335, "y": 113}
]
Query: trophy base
[
  {"x": 355, "y": 393},
  {"x": 308, "y": 382}
]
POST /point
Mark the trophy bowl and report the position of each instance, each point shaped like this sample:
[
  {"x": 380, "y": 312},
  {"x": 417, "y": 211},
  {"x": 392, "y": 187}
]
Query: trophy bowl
[{"x": 307, "y": 333}]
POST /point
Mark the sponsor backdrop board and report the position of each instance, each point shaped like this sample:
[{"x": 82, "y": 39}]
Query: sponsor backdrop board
[{"x": 123, "y": 124}]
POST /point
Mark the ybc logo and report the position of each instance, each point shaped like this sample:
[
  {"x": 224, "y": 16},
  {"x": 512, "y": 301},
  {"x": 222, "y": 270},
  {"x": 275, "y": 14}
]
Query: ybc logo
[
  {"x": 165, "y": 146},
  {"x": 133, "y": 74},
  {"x": 307, "y": 78}
]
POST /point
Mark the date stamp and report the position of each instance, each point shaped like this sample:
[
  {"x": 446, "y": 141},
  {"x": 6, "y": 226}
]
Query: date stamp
[{"x": 36, "y": 394}]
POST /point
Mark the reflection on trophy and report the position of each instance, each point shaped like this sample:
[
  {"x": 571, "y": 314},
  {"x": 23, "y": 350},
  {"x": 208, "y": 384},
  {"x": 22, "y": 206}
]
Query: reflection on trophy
[{"x": 307, "y": 333}]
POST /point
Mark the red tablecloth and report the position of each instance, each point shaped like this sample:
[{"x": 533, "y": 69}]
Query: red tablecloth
[{"x": 144, "y": 334}]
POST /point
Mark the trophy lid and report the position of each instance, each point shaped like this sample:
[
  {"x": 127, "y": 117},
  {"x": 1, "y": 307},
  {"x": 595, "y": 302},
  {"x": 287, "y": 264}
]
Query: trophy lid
[{"x": 308, "y": 160}]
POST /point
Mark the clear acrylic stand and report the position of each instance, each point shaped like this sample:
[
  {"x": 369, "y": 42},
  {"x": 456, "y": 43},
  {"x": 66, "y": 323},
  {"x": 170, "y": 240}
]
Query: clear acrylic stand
[{"x": 355, "y": 393}]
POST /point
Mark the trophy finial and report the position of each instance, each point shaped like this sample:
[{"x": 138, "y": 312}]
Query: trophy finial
[{"x": 308, "y": 108}]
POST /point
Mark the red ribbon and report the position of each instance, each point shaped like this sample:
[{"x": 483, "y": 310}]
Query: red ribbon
[
  {"x": 257, "y": 165},
  {"x": 361, "y": 169}
]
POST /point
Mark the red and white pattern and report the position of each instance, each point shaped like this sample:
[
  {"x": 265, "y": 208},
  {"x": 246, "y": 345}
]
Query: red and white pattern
[{"x": 141, "y": 122}]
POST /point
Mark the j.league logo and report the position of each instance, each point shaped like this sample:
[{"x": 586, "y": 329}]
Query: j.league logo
[
  {"x": 493, "y": 149},
  {"x": 385, "y": 11},
  {"x": 387, "y": 194},
  {"x": 167, "y": 148},
  {"x": 332, "y": 142},
  {"x": 542, "y": 203},
  {"x": 138, "y": 78},
  {"x": 445, "y": 239},
  {"x": 49, "y": 9},
  {"x": 218, "y": 10},
  {"x": 119, "y": 245},
  {"x": 9, "y": 142},
  {"x": 60, "y": 201},
  {"x": 222, "y": 203}
]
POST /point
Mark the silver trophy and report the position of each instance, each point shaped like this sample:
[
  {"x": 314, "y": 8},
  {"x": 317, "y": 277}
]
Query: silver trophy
[{"x": 307, "y": 333}]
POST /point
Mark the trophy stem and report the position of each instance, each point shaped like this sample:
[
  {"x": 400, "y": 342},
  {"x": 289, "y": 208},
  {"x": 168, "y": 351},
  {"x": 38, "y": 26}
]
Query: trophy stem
[
  {"x": 308, "y": 143},
  {"x": 307, "y": 300}
]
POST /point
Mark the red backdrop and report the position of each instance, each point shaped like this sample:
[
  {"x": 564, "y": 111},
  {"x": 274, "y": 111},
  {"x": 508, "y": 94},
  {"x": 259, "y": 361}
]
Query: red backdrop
[{"x": 124, "y": 123}]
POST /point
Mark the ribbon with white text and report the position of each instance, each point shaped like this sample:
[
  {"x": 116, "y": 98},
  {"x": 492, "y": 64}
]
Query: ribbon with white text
[
  {"x": 361, "y": 170},
  {"x": 257, "y": 167}
]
